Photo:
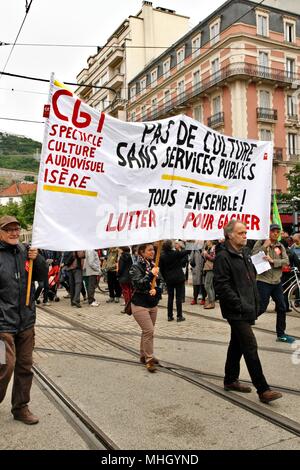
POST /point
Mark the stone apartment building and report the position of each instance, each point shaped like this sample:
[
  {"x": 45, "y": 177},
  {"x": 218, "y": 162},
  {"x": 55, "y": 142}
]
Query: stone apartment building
[
  {"x": 129, "y": 49},
  {"x": 237, "y": 71}
]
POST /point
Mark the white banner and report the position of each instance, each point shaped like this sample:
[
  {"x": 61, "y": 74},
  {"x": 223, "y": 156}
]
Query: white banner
[{"x": 104, "y": 182}]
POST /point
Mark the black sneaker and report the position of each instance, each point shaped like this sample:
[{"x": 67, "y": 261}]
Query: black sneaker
[
  {"x": 170, "y": 318},
  {"x": 180, "y": 318}
]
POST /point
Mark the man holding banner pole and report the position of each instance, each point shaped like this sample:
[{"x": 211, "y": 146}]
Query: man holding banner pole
[{"x": 17, "y": 319}]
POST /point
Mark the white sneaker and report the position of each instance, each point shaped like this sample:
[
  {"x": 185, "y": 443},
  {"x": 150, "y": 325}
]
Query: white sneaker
[{"x": 94, "y": 304}]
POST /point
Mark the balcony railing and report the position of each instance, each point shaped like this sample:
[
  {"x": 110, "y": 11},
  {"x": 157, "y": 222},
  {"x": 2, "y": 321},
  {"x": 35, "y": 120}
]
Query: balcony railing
[
  {"x": 215, "y": 120},
  {"x": 266, "y": 114},
  {"x": 294, "y": 157},
  {"x": 239, "y": 69},
  {"x": 118, "y": 103},
  {"x": 278, "y": 154},
  {"x": 292, "y": 117}
]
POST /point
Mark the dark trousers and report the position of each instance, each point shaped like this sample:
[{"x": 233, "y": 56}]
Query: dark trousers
[
  {"x": 275, "y": 291},
  {"x": 91, "y": 287},
  {"x": 19, "y": 348},
  {"x": 113, "y": 285},
  {"x": 179, "y": 289},
  {"x": 42, "y": 285},
  {"x": 243, "y": 343},
  {"x": 75, "y": 279},
  {"x": 196, "y": 291}
]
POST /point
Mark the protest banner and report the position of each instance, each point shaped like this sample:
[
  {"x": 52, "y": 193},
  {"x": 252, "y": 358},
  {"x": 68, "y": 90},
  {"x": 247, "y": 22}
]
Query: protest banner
[{"x": 104, "y": 182}]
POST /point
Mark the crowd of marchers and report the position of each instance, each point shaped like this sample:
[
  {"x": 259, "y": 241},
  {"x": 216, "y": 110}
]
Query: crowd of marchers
[{"x": 221, "y": 271}]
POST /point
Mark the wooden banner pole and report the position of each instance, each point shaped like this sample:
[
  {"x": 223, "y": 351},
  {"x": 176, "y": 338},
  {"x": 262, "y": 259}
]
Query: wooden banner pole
[
  {"x": 29, "y": 282},
  {"x": 157, "y": 258}
]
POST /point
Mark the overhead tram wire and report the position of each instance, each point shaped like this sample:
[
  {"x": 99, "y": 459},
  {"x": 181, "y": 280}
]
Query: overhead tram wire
[
  {"x": 2, "y": 43},
  {"x": 27, "y": 8}
]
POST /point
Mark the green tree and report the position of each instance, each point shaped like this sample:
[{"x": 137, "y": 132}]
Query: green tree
[
  {"x": 293, "y": 193},
  {"x": 24, "y": 212},
  {"x": 27, "y": 208}
]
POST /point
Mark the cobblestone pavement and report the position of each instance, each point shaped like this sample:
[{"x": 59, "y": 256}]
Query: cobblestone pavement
[{"x": 164, "y": 412}]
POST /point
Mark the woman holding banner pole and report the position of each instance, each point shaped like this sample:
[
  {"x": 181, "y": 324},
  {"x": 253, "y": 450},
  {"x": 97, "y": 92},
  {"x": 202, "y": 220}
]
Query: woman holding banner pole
[{"x": 145, "y": 299}]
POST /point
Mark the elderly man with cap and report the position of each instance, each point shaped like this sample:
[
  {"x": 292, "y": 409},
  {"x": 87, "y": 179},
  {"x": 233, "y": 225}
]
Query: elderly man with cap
[
  {"x": 16, "y": 319},
  {"x": 269, "y": 282}
]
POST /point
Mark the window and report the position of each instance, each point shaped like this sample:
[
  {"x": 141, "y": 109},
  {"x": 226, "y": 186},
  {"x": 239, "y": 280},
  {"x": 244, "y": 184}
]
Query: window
[
  {"x": 154, "y": 78},
  {"x": 215, "y": 66},
  {"x": 132, "y": 92},
  {"x": 133, "y": 116},
  {"x": 196, "y": 80},
  {"x": 154, "y": 106},
  {"x": 103, "y": 79},
  {"x": 166, "y": 68},
  {"x": 290, "y": 67},
  {"x": 167, "y": 98},
  {"x": 180, "y": 88},
  {"x": 198, "y": 113},
  {"x": 289, "y": 31},
  {"x": 143, "y": 85},
  {"x": 104, "y": 103},
  {"x": 196, "y": 43},
  {"x": 263, "y": 60},
  {"x": 216, "y": 105},
  {"x": 180, "y": 59},
  {"x": 292, "y": 144},
  {"x": 10, "y": 200},
  {"x": 264, "y": 99},
  {"x": 214, "y": 32},
  {"x": 291, "y": 106},
  {"x": 265, "y": 134},
  {"x": 143, "y": 113},
  {"x": 262, "y": 24}
]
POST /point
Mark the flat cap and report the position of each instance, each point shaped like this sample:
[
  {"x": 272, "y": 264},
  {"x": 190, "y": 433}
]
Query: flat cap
[
  {"x": 275, "y": 227},
  {"x": 8, "y": 219}
]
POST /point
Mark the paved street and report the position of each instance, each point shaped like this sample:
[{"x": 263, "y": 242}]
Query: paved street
[{"x": 164, "y": 410}]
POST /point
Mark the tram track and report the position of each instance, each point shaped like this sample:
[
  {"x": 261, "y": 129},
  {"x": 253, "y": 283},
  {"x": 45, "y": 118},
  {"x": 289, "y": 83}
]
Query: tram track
[
  {"x": 93, "y": 436},
  {"x": 163, "y": 365},
  {"x": 164, "y": 337},
  {"x": 192, "y": 376}
]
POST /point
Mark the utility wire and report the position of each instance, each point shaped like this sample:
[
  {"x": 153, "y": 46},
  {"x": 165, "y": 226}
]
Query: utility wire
[
  {"x": 27, "y": 8},
  {"x": 193, "y": 48},
  {"x": 21, "y": 120}
]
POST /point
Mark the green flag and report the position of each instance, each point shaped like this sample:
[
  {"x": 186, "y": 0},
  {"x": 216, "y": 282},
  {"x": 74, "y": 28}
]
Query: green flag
[{"x": 276, "y": 216}]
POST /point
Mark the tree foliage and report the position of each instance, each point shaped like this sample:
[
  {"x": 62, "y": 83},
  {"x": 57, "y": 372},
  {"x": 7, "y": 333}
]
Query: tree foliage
[
  {"x": 293, "y": 193},
  {"x": 24, "y": 212}
]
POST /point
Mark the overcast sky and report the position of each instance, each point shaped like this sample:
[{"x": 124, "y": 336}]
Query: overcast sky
[{"x": 84, "y": 22}]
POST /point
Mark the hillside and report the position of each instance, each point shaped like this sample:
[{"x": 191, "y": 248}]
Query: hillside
[
  {"x": 11, "y": 144},
  {"x": 18, "y": 152}
]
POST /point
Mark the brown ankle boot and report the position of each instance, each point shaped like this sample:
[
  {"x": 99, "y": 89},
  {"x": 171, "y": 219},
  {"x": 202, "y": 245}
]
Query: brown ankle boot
[
  {"x": 151, "y": 366},
  {"x": 25, "y": 415}
]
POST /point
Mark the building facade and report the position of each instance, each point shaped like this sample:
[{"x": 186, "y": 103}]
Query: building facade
[
  {"x": 237, "y": 72},
  {"x": 137, "y": 41}
]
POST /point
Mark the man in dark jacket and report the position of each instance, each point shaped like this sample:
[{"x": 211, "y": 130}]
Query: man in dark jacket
[
  {"x": 16, "y": 319},
  {"x": 171, "y": 264},
  {"x": 235, "y": 284}
]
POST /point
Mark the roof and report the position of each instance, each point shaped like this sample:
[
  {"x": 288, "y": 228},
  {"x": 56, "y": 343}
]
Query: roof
[{"x": 18, "y": 189}]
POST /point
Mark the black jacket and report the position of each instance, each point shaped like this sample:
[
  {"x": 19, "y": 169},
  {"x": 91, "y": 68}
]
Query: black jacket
[
  {"x": 235, "y": 284},
  {"x": 141, "y": 282},
  {"x": 171, "y": 264},
  {"x": 14, "y": 315},
  {"x": 125, "y": 263}
]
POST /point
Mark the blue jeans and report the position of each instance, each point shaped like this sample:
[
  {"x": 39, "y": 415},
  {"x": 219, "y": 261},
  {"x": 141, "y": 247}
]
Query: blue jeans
[{"x": 275, "y": 291}]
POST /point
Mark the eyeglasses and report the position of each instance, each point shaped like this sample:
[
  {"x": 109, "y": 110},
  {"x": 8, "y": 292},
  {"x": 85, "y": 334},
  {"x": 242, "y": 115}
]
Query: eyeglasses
[{"x": 11, "y": 230}]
